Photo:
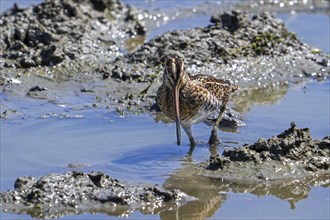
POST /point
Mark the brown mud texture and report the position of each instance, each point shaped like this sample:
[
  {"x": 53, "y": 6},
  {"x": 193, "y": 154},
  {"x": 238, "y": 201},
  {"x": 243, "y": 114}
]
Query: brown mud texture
[{"x": 61, "y": 48}]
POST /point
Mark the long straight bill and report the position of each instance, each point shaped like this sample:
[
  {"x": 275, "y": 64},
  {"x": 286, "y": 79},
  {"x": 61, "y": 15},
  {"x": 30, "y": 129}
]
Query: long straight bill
[{"x": 177, "y": 114}]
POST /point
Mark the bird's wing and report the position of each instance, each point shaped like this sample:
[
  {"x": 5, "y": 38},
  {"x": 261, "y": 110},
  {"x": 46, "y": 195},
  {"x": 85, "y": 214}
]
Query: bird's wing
[{"x": 220, "y": 88}]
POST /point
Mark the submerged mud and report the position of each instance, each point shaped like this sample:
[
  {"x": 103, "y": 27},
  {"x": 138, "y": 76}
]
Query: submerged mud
[{"x": 55, "y": 195}]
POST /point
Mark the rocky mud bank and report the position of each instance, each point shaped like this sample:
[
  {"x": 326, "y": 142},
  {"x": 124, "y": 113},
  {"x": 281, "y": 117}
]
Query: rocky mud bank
[
  {"x": 98, "y": 47},
  {"x": 55, "y": 195},
  {"x": 235, "y": 46},
  {"x": 286, "y": 166},
  {"x": 55, "y": 31},
  {"x": 291, "y": 154}
]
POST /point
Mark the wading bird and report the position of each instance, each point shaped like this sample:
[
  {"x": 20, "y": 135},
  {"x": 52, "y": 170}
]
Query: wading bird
[{"x": 189, "y": 99}]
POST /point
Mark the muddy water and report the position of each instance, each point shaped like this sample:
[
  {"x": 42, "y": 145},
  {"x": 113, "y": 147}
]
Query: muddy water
[{"x": 67, "y": 135}]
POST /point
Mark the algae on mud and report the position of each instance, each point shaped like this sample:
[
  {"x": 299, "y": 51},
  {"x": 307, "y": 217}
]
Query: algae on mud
[{"x": 248, "y": 51}]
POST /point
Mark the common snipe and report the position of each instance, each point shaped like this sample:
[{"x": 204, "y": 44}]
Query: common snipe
[{"x": 189, "y": 99}]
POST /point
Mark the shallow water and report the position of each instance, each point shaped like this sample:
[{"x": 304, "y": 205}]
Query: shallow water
[
  {"x": 138, "y": 149},
  {"x": 54, "y": 137},
  {"x": 312, "y": 29}
]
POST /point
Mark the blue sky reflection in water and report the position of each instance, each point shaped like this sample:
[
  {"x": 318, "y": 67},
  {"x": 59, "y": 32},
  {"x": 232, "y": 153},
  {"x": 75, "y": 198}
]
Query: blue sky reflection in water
[{"x": 137, "y": 148}]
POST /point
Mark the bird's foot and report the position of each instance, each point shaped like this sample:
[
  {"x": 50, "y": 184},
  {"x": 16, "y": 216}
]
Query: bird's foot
[
  {"x": 192, "y": 146},
  {"x": 214, "y": 140}
]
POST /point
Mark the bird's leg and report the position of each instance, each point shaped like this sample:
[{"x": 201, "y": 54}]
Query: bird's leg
[
  {"x": 191, "y": 150},
  {"x": 214, "y": 133},
  {"x": 187, "y": 129},
  {"x": 213, "y": 150}
]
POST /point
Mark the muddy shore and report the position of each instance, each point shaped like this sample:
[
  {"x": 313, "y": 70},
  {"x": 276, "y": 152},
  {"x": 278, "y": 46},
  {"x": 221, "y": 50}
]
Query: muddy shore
[
  {"x": 64, "y": 49},
  {"x": 77, "y": 192},
  {"x": 98, "y": 48},
  {"x": 291, "y": 154}
]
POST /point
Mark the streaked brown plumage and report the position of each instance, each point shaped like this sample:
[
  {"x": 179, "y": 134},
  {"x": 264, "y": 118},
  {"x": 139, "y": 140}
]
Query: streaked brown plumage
[{"x": 191, "y": 99}]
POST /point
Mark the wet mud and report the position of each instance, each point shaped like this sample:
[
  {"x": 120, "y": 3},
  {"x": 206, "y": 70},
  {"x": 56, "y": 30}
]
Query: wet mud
[
  {"x": 286, "y": 166},
  {"x": 283, "y": 6},
  {"x": 56, "y": 195},
  {"x": 55, "y": 31},
  {"x": 84, "y": 48},
  {"x": 291, "y": 154},
  {"x": 76, "y": 48},
  {"x": 227, "y": 48}
]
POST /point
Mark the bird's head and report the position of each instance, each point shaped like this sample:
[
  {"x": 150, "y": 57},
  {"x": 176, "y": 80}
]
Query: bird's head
[
  {"x": 173, "y": 72},
  {"x": 174, "y": 78}
]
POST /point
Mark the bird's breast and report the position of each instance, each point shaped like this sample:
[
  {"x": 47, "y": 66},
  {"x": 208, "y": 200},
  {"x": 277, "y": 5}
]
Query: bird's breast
[{"x": 194, "y": 105}]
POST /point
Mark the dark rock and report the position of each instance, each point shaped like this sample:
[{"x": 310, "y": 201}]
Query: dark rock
[
  {"x": 260, "y": 145},
  {"x": 37, "y": 34},
  {"x": 37, "y": 89},
  {"x": 38, "y": 92},
  {"x": 49, "y": 56},
  {"x": 86, "y": 90},
  {"x": 27, "y": 62},
  {"x": 230, "y": 21},
  {"x": 216, "y": 162},
  {"x": 18, "y": 46},
  {"x": 22, "y": 183}
]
